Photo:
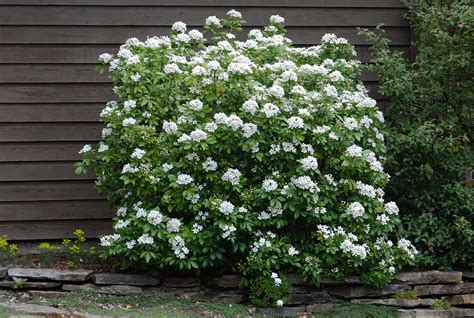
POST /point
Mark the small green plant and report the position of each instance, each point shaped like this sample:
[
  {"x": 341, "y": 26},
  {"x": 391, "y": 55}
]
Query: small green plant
[
  {"x": 18, "y": 283},
  {"x": 77, "y": 249},
  {"x": 8, "y": 252},
  {"x": 409, "y": 294},
  {"x": 441, "y": 304},
  {"x": 269, "y": 291},
  {"x": 48, "y": 254}
]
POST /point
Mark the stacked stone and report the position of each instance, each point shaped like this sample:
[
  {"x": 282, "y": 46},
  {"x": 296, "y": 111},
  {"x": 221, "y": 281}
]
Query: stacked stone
[{"x": 455, "y": 286}]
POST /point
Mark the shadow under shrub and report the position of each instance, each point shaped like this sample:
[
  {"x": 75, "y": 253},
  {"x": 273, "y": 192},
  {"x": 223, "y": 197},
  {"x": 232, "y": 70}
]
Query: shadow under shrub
[{"x": 431, "y": 129}]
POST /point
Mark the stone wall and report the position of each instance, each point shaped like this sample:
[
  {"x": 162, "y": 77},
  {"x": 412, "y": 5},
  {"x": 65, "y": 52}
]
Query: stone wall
[{"x": 455, "y": 286}]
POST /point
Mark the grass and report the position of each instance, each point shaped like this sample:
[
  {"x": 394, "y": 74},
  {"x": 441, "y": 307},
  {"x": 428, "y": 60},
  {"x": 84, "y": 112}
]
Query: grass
[
  {"x": 359, "y": 311},
  {"x": 148, "y": 305}
]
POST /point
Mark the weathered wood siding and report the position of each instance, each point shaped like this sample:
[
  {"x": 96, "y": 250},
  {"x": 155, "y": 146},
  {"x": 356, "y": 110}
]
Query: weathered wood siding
[{"x": 51, "y": 96}]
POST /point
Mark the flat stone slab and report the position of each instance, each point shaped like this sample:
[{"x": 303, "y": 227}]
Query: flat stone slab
[
  {"x": 296, "y": 280},
  {"x": 320, "y": 307},
  {"x": 468, "y": 275},
  {"x": 467, "y": 299},
  {"x": 428, "y": 277},
  {"x": 223, "y": 281},
  {"x": 29, "y": 285},
  {"x": 122, "y": 290},
  {"x": 366, "y": 291},
  {"x": 283, "y": 311},
  {"x": 124, "y": 279},
  {"x": 46, "y": 293},
  {"x": 227, "y": 296},
  {"x": 437, "y": 313},
  {"x": 40, "y": 310},
  {"x": 301, "y": 296},
  {"x": 181, "y": 282},
  {"x": 453, "y": 289},
  {"x": 401, "y": 303},
  {"x": 79, "y": 275}
]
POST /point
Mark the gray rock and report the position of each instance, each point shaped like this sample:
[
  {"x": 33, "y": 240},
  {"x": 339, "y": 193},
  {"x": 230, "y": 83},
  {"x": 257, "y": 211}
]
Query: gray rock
[
  {"x": 124, "y": 279},
  {"x": 40, "y": 310},
  {"x": 401, "y": 303},
  {"x": 3, "y": 272},
  {"x": 181, "y": 282},
  {"x": 467, "y": 299},
  {"x": 453, "y": 289},
  {"x": 122, "y": 290},
  {"x": 283, "y": 311},
  {"x": 46, "y": 293},
  {"x": 437, "y": 313},
  {"x": 223, "y": 281},
  {"x": 351, "y": 280},
  {"x": 303, "y": 297},
  {"x": 79, "y": 275},
  {"x": 467, "y": 275},
  {"x": 356, "y": 291},
  {"x": 29, "y": 285},
  {"x": 428, "y": 277}
]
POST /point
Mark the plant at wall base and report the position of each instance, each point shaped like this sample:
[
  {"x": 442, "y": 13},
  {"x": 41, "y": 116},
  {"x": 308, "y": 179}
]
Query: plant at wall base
[
  {"x": 8, "y": 252},
  {"x": 409, "y": 294},
  {"x": 430, "y": 130},
  {"x": 47, "y": 254},
  {"x": 441, "y": 304},
  {"x": 18, "y": 283},
  {"x": 269, "y": 291},
  {"x": 77, "y": 249},
  {"x": 255, "y": 155}
]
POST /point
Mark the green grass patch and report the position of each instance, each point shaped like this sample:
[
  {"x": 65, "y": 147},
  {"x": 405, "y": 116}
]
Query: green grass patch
[
  {"x": 359, "y": 311},
  {"x": 153, "y": 304}
]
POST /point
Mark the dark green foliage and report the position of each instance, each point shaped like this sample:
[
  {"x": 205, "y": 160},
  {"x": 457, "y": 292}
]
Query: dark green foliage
[
  {"x": 359, "y": 311},
  {"x": 264, "y": 292},
  {"x": 430, "y": 119}
]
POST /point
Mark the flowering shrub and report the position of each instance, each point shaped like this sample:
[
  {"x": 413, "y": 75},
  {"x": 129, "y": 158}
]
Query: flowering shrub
[
  {"x": 269, "y": 291},
  {"x": 250, "y": 153}
]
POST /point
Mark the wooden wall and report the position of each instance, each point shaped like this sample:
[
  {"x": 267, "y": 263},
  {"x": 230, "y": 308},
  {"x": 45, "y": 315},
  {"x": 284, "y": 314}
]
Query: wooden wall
[{"x": 51, "y": 96}]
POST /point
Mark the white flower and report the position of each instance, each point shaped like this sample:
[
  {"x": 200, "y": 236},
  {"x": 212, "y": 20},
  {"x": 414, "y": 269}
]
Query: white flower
[
  {"x": 249, "y": 130},
  {"x": 391, "y": 208},
  {"x": 178, "y": 246},
  {"x": 170, "y": 127},
  {"x": 195, "y": 35},
  {"x": 198, "y": 135},
  {"x": 138, "y": 153},
  {"x": 274, "y": 275},
  {"x": 276, "y": 19},
  {"x": 184, "y": 138},
  {"x": 295, "y": 122},
  {"x": 277, "y": 281},
  {"x": 121, "y": 224},
  {"x": 121, "y": 211},
  {"x": 166, "y": 167},
  {"x": 145, "y": 239},
  {"x": 106, "y": 132},
  {"x": 232, "y": 176},
  {"x": 355, "y": 209},
  {"x": 128, "y": 121},
  {"x": 130, "y": 244},
  {"x": 85, "y": 149},
  {"x": 220, "y": 118},
  {"x": 293, "y": 251},
  {"x": 234, "y": 14},
  {"x": 228, "y": 230},
  {"x": 172, "y": 68},
  {"x": 196, "y": 228},
  {"x": 195, "y": 104},
  {"x": 270, "y": 110},
  {"x": 269, "y": 185},
  {"x": 209, "y": 165},
  {"x": 279, "y": 303},
  {"x": 234, "y": 122},
  {"x": 108, "y": 240},
  {"x": 305, "y": 183},
  {"x": 105, "y": 58},
  {"x": 154, "y": 217},
  {"x": 350, "y": 123},
  {"x": 309, "y": 163},
  {"x": 226, "y": 207},
  {"x": 173, "y": 225},
  {"x": 184, "y": 179},
  {"x": 383, "y": 219},
  {"x": 179, "y": 27},
  {"x": 250, "y": 106},
  {"x": 277, "y": 91},
  {"x": 213, "y": 20},
  {"x": 354, "y": 151},
  {"x": 135, "y": 77}
]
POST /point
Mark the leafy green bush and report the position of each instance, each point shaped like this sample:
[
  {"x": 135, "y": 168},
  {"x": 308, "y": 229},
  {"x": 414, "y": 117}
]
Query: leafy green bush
[
  {"x": 430, "y": 129},
  {"x": 269, "y": 291},
  {"x": 254, "y": 155}
]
